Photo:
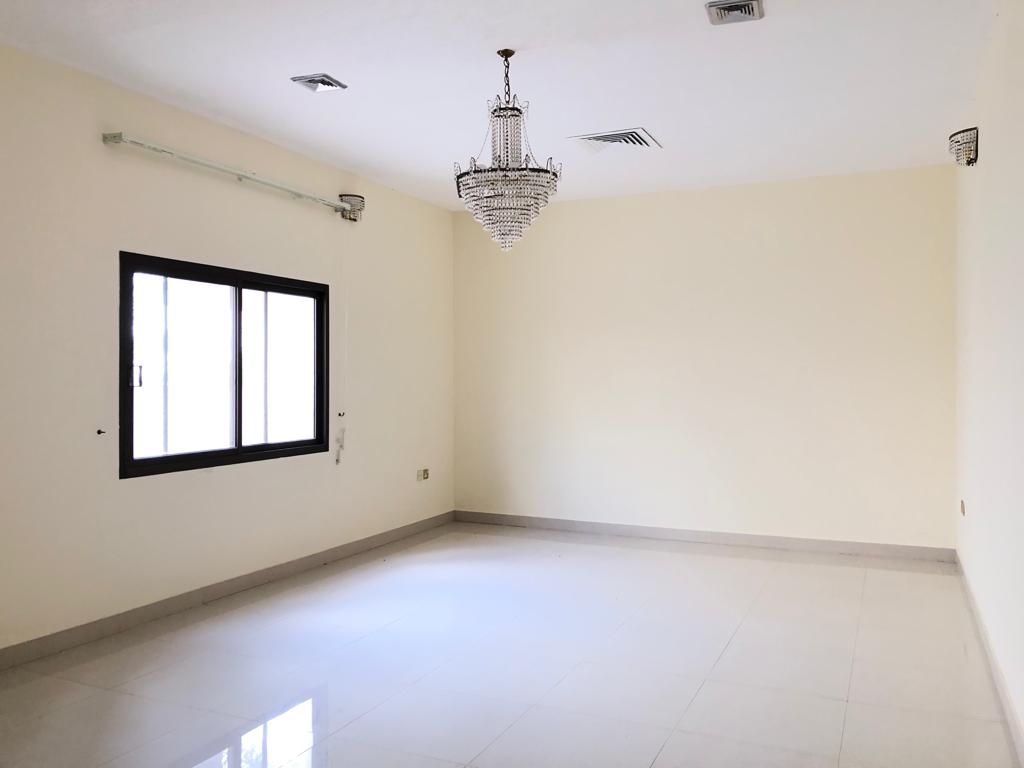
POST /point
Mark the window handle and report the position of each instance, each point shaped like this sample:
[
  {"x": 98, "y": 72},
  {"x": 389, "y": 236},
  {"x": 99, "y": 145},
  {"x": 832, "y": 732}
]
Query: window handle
[{"x": 135, "y": 376}]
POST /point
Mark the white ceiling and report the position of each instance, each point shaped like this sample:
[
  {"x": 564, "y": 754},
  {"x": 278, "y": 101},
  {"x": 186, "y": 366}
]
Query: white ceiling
[{"x": 817, "y": 87}]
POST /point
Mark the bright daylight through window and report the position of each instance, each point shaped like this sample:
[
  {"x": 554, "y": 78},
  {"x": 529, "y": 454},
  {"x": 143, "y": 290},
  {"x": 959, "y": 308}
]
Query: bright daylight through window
[{"x": 218, "y": 366}]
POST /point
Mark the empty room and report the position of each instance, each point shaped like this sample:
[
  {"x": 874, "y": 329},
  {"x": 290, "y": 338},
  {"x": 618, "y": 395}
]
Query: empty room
[{"x": 547, "y": 384}]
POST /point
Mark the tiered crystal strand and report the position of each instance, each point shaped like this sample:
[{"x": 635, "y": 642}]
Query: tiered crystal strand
[{"x": 508, "y": 195}]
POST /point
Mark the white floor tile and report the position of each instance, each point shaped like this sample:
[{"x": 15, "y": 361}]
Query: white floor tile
[
  {"x": 933, "y": 605},
  {"x": 803, "y": 608},
  {"x": 633, "y": 692},
  {"x": 685, "y": 647},
  {"x": 719, "y": 589},
  {"x": 839, "y": 584},
  {"x": 952, "y": 645},
  {"x": 796, "y": 722},
  {"x": 440, "y": 724},
  {"x": 300, "y": 636},
  {"x": 963, "y": 689},
  {"x": 189, "y": 745},
  {"x": 410, "y": 647},
  {"x": 555, "y": 738},
  {"x": 91, "y": 732},
  {"x": 885, "y": 737},
  {"x": 345, "y": 691},
  {"x": 112, "y": 661},
  {"x": 799, "y": 666},
  {"x": 222, "y": 630},
  {"x": 510, "y": 675},
  {"x": 25, "y": 695},
  {"x": 889, "y": 582},
  {"x": 338, "y": 752},
  {"x": 238, "y": 686},
  {"x": 768, "y": 628},
  {"x": 693, "y": 750}
]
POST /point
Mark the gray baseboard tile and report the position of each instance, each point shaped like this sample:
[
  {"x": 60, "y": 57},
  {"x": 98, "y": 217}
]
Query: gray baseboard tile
[
  {"x": 37, "y": 648},
  {"x": 827, "y": 546},
  {"x": 1014, "y": 725}
]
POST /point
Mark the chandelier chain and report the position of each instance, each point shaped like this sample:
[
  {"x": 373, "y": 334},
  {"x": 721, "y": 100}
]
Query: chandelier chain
[{"x": 508, "y": 88}]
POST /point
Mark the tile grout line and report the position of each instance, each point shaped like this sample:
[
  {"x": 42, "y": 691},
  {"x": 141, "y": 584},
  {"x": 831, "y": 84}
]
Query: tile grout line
[
  {"x": 529, "y": 708},
  {"x": 439, "y": 665},
  {"x": 332, "y": 733},
  {"x": 675, "y": 728},
  {"x": 196, "y": 652},
  {"x": 116, "y": 687},
  {"x": 533, "y": 705},
  {"x": 401, "y": 690},
  {"x": 373, "y": 745},
  {"x": 97, "y": 689},
  {"x": 746, "y": 615},
  {"x": 853, "y": 660},
  {"x": 165, "y": 734},
  {"x": 204, "y": 710}
]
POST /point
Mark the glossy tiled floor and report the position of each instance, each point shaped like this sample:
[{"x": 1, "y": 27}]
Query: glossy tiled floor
[{"x": 502, "y": 648}]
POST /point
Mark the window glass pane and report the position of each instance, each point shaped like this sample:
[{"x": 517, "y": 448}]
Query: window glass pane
[
  {"x": 254, "y": 373},
  {"x": 148, "y": 344},
  {"x": 278, "y": 367},
  {"x": 291, "y": 367},
  {"x": 183, "y": 348},
  {"x": 200, "y": 366}
]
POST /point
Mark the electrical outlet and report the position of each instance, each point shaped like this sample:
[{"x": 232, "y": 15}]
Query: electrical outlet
[
  {"x": 426, "y": 474},
  {"x": 422, "y": 474}
]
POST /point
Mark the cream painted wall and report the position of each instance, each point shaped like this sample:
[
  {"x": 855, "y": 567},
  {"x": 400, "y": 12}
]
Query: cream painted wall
[
  {"x": 990, "y": 358},
  {"x": 76, "y": 543},
  {"x": 770, "y": 359}
]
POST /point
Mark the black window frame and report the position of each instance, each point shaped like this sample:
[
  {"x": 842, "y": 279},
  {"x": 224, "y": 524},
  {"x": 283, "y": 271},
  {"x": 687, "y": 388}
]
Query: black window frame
[{"x": 129, "y": 466}]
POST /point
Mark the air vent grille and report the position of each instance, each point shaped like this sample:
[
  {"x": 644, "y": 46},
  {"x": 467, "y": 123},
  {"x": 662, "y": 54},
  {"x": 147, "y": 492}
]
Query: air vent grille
[
  {"x": 319, "y": 82},
  {"x": 732, "y": 12},
  {"x": 633, "y": 137}
]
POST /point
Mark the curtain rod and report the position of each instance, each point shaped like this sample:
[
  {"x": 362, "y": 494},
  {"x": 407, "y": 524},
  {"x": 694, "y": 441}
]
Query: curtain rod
[{"x": 349, "y": 206}]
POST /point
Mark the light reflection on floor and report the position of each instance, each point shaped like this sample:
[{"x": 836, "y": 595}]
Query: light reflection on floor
[{"x": 270, "y": 743}]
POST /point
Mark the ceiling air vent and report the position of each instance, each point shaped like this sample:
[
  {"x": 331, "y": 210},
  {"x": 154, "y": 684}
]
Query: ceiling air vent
[
  {"x": 731, "y": 11},
  {"x": 631, "y": 137},
  {"x": 319, "y": 83}
]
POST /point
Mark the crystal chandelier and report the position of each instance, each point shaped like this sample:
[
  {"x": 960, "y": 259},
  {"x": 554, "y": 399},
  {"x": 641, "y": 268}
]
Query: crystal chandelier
[{"x": 508, "y": 195}]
